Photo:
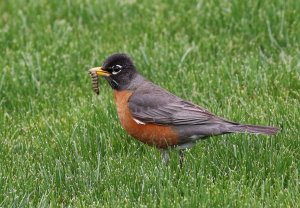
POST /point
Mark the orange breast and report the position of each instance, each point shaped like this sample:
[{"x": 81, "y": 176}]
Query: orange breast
[{"x": 151, "y": 134}]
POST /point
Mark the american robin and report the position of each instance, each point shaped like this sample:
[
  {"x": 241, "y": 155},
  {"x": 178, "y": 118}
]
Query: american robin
[{"x": 157, "y": 117}]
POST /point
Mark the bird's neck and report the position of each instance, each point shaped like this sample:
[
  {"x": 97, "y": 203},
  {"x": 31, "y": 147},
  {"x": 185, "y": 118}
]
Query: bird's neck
[{"x": 133, "y": 84}]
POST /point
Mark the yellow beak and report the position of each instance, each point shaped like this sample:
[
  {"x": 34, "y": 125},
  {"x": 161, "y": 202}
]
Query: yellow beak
[{"x": 100, "y": 72}]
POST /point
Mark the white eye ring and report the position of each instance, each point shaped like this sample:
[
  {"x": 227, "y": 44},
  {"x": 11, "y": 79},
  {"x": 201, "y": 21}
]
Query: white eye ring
[{"x": 119, "y": 67}]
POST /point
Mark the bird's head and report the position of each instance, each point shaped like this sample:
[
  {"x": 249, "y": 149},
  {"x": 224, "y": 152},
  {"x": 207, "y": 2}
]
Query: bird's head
[{"x": 118, "y": 69}]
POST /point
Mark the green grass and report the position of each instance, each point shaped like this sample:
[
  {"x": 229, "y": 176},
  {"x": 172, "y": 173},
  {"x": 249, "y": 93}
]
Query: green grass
[{"x": 61, "y": 145}]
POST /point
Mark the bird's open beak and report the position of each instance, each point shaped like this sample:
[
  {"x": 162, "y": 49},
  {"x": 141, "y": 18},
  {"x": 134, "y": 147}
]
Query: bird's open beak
[{"x": 100, "y": 72}]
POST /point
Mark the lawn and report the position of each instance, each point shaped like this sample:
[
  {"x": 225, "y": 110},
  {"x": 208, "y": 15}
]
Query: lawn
[{"x": 62, "y": 146}]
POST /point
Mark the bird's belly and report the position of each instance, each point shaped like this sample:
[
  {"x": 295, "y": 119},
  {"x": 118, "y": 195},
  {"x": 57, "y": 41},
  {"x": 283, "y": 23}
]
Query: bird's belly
[{"x": 151, "y": 134}]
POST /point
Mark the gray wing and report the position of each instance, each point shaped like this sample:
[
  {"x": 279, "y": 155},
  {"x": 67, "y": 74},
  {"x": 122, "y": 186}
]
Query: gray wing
[{"x": 152, "y": 104}]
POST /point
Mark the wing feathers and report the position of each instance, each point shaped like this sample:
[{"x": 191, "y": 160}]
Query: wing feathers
[{"x": 155, "y": 105}]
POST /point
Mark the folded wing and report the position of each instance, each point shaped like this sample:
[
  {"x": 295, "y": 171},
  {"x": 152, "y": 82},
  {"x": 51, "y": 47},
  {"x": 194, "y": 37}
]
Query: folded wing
[{"x": 155, "y": 105}]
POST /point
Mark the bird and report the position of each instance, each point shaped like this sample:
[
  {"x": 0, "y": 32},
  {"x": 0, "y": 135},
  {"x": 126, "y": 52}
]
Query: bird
[{"x": 159, "y": 118}]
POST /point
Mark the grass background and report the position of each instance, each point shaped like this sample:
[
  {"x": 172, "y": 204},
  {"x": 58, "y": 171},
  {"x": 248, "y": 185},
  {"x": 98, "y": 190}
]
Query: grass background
[{"x": 61, "y": 145}]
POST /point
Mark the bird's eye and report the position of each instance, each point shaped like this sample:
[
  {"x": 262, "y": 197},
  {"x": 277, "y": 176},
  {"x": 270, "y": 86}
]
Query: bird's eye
[{"x": 116, "y": 69}]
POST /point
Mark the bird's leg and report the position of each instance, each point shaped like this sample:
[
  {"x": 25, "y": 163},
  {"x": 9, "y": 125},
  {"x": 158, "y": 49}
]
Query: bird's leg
[
  {"x": 181, "y": 157},
  {"x": 165, "y": 156}
]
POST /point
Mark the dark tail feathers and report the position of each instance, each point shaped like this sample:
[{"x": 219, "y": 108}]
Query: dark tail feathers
[{"x": 254, "y": 129}]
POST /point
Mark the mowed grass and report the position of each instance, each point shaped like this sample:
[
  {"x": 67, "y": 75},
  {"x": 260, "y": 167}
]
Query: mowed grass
[{"x": 61, "y": 145}]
